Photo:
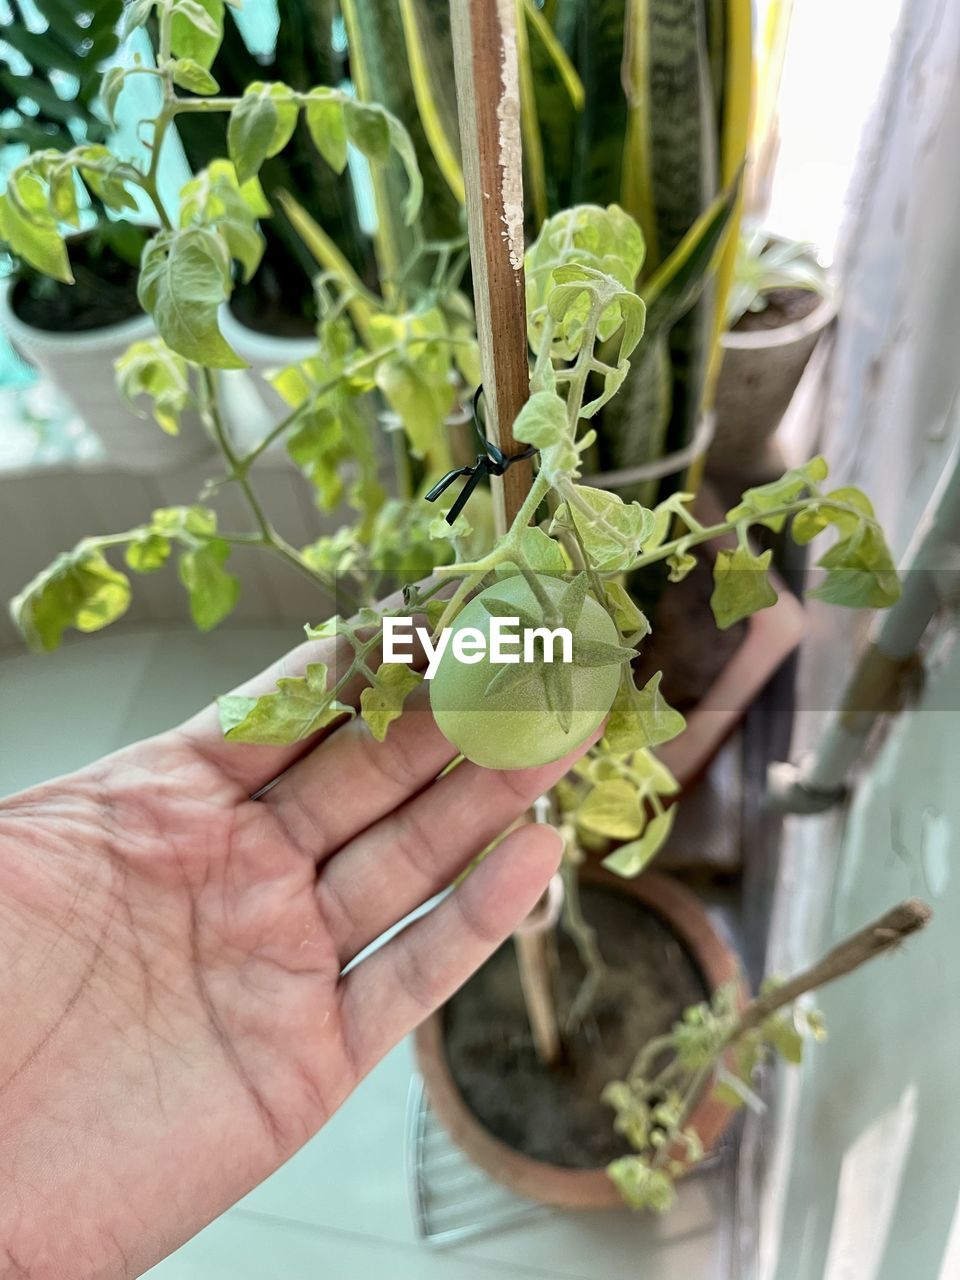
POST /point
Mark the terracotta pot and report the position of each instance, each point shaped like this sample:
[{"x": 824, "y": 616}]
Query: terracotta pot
[
  {"x": 553, "y": 1184},
  {"x": 772, "y": 635},
  {"x": 759, "y": 375}
]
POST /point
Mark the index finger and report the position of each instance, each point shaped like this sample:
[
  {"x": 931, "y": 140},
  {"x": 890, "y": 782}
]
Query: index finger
[{"x": 252, "y": 765}]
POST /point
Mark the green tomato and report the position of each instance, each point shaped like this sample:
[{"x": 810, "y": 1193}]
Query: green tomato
[{"x": 514, "y": 727}]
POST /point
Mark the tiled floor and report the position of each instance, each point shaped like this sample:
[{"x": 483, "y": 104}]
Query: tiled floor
[{"x": 340, "y": 1209}]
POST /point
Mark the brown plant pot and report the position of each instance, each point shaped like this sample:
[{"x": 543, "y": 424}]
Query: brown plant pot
[
  {"x": 770, "y": 637},
  {"x": 760, "y": 372},
  {"x": 714, "y": 691},
  {"x": 553, "y": 1184}
]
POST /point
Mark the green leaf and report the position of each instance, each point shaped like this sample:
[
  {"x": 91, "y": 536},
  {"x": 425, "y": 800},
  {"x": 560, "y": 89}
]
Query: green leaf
[
  {"x": 819, "y": 516},
  {"x": 147, "y": 552},
  {"x": 368, "y": 129},
  {"x": 31, "y": 231},
  {"x": 741, "y": 585},
  {"x": 542, "y": 552},
  {"x": 215, "y": 193},
  {"x": 110, "y": 185},
  {"x": 612, "y": 530},
  {"x": 631, "y": 621},
  {"x": 110, "y": 88},
  {"x": 288, "y": 112},
  {"x": 250, "y": 132},
  {"x": 641, "y": 717},
  {"x": 185, "y": 523},
  {"x": 680, "y": 563},
  {"x": 300, "y": 706},
  {"x": 215, "y": 198},
  {"x": 630, "y": 859},
  {"x": 402, "y": 144},
  {"x": 184, "y": 278},
  {"x": 197, "y": 30},
  {"x": 382, "y": 702},
  {"x": 134, "y": 16},
  {"x": 613, "y": 809},
  {"x": 327, "y": 127},
  {"x": 679, "y": 282},
  {"x": 213, "y": 592},
  {"x": 757, "y": 502},
  {"x": 782, "y": 1034},
  {"x": 80, "y": 589},
  {"x": 573, "y": 599},
  {"x": 642, "y": 1186},
  {"x": 574, "y": 248},
  {"x": 861, "y": 573},
  {"x": 416, "y": 396},
  {"x": 511, "y": 676},
  {"x": 191, "y": 76},
  {"x": 542, "y": 421},
  {"x": 150, "y": 368}
]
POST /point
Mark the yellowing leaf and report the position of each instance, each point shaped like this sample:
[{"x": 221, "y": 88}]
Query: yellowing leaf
[
  {"x": 184, "y": 277},
  {"x": 641, "y": 718},
  {"x": 612, "y": 809},
  {"x": 327, "y": 127},
  {"x": 382, "y": 702},
  {"x": 741, "y": 586},
  {"x": 150, "y": 368},
  {"x": 80, "y": 589},
  {"x": 630, "y": 859},
  {"x": 300, "y": 706},
  {"x": 213, "y": 592}
]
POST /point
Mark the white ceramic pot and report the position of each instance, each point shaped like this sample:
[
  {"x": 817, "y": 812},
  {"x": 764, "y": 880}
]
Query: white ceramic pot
[
  {"x": 81, "y": 367},
  {"x": 760, "y": 372},
  {"x": 252, "y": 405}
]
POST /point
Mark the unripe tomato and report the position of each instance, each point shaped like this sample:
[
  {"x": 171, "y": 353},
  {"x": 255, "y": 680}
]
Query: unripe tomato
[{"x": 514, "y": 728}]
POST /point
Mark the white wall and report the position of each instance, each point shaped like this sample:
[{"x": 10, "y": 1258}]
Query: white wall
[{"x": 865, "y": 1168}]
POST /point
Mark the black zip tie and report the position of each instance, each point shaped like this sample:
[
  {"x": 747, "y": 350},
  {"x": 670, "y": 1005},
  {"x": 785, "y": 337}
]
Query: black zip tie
[{"x": 491, "y": 462}]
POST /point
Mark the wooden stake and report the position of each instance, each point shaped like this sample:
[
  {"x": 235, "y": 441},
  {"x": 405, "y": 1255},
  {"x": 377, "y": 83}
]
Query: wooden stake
[{"x": 488, "y": 103}]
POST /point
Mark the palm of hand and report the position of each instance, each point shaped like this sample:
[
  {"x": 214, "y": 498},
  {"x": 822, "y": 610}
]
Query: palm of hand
[{"x": 179, "y": 947}]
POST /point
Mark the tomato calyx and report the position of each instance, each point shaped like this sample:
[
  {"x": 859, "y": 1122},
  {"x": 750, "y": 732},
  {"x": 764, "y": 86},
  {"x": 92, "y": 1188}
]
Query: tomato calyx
[{"x": 552, "y": 610}]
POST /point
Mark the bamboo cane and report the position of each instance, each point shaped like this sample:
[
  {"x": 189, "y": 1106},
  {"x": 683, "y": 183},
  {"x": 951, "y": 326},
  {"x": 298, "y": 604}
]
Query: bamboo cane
[{"x": 488, "y": 104}]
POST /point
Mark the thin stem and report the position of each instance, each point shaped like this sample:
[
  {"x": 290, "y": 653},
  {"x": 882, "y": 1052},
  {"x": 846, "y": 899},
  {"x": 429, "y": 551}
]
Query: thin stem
[
  {"x": 706, "y": 533},
  {"x": 881, "y": 936},
  {"x": 268, "y": 536},
  {"x": 584, "y": 938}
]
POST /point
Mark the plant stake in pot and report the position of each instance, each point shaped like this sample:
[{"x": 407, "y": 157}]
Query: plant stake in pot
[{"x": 488, "y": 100}]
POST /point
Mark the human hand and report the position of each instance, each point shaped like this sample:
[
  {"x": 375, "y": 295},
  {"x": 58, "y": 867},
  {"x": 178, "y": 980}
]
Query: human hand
[{"x": 175, "y": 1022}]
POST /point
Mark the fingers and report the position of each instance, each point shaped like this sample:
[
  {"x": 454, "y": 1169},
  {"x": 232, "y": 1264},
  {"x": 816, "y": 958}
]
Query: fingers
[
  {"x": 351, "y": 781},
  {"x": 386, "y": 995},
  {"x": 393, "y": 867},
  {"x": 251, "y": 765}
]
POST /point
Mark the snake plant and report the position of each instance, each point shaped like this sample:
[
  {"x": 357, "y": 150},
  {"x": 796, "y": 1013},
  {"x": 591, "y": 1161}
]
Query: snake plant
[{"x": 641, "y": 103}]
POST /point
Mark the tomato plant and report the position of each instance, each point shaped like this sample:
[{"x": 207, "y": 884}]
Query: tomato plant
[
  {"x": 412, "y": 351},
  {"x": 408, "y": 349}
]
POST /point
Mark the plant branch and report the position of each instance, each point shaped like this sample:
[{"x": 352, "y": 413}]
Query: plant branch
[
  {"x": 268, "y": 535},
  {"x": 584, "y": 938},
  {"x": 881, "y": 936}
]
